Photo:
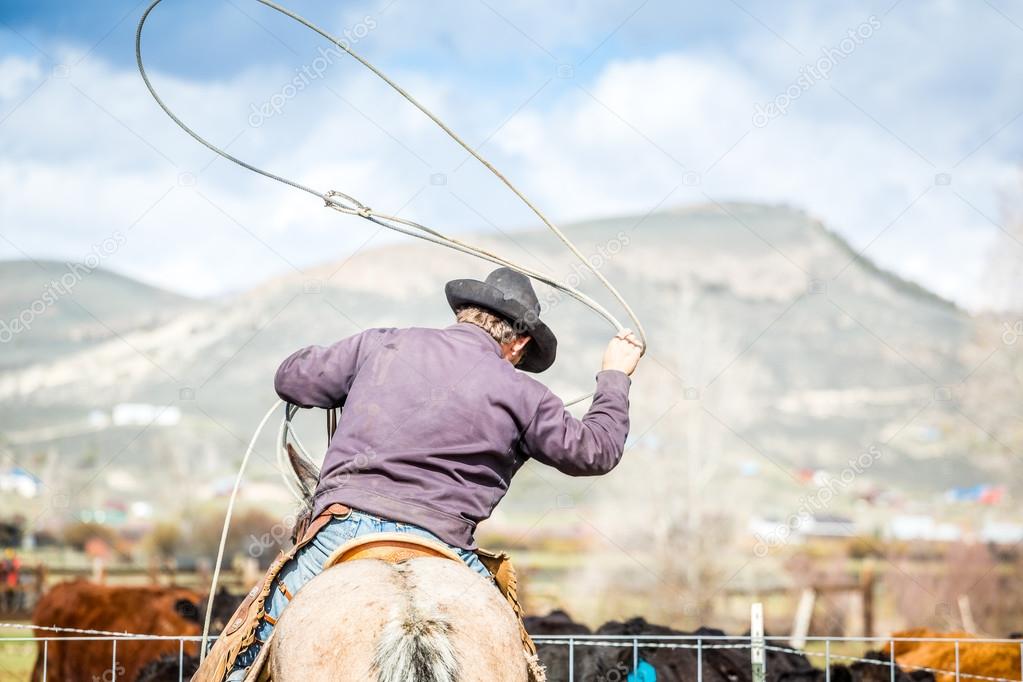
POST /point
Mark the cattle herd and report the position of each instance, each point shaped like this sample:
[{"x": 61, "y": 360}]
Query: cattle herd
[
  {"x": 177, "y": 611},
  {"x": 151, "y": 610},
  {"x": 677, "y": 664}
]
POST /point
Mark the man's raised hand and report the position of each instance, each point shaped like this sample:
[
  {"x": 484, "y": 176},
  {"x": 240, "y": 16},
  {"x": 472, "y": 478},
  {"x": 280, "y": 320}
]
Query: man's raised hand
[{"x": 623, "y": 353}]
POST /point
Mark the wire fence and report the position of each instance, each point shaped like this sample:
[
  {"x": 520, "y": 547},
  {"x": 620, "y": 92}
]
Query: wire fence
[
  {"x": 702, "y": 646},
  {"x": 705, "y": 643},
  {"x": 114, "y": 672}
]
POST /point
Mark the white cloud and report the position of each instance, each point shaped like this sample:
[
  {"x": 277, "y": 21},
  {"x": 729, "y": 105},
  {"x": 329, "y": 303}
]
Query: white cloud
[
  {"x": 91, "y": 153},
  {"x": 16, "y": 76},
  {"x": 583, "y": 159}
]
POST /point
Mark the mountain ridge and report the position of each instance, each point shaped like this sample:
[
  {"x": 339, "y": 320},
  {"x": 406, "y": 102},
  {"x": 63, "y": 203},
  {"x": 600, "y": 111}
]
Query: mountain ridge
[{"x": 757, "y": 350}]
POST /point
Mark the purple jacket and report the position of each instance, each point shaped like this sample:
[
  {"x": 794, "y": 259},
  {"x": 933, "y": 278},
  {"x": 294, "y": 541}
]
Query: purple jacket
[{"x": 436, "y": 423}]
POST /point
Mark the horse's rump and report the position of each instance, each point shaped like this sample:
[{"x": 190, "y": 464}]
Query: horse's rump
[{"x": 427, "y": 619}]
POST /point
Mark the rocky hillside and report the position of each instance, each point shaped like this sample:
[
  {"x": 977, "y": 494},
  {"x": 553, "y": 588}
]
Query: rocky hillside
[
  {"x": 50, "y": 309},
  {"x": 773, "y": 348}
]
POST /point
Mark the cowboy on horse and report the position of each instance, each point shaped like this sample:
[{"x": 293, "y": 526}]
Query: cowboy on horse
[{"x": 435, "y": 424}]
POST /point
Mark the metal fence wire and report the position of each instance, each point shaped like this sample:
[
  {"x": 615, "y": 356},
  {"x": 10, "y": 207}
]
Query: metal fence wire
[
  {"x": 111, "y": 674},
  {"x": 701, "y": 644}
]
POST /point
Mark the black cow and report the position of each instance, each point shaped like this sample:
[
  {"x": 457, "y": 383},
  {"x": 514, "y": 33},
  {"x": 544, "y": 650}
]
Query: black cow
[{"x": 599, "y": 664}]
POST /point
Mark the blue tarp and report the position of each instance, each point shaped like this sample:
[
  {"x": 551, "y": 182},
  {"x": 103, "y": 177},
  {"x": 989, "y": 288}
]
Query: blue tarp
[{"x": 643, "y": 673}]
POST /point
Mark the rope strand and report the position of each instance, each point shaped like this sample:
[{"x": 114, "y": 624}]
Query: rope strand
[{"x": 227, "y": 526}]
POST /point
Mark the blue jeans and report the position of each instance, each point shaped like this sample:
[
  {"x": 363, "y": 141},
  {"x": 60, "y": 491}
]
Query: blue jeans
[{"x": 308, "y": 563}]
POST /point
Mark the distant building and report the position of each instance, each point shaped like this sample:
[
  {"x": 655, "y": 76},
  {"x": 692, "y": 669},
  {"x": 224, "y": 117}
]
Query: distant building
[
  {"x": 1002, "y": 533},
  {"x": 797, "y": 529},
  {"x": 829, "y": 526},
  {"x": 98, "y": 419},
  {"x": 143, "y": 414},
  {"x": 19, "y": 482},
  {"x": 983, "y": 493},
  {"x": 922, "y": 527}
]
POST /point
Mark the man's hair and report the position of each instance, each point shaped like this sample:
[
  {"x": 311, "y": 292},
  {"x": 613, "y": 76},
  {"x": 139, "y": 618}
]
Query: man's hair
[{"x": 501, "y": 329}]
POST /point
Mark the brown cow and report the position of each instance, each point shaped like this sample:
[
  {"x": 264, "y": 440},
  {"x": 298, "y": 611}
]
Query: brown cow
[
  {"x": 149, "y": 610},
  {"x": 975, "y": 658}
]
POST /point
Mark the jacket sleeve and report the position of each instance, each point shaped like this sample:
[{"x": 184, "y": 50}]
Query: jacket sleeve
[
  {"x": 586, "y": 447},
  {"x": 321, "y": 376}
]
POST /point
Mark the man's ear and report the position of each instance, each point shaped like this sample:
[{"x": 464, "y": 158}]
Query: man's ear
[{"x": 521, "y": 342}]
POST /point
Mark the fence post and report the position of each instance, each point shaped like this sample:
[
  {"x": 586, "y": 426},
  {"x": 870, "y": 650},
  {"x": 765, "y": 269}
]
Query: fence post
[
  {"x": 571, "y": 659},
  {"x": 181, "y": 660},
  {"x": 635, "y": 656},
  {"x": 867, "y": 582},
  {"x": 966, "y": 613},
  {"x": 46, "y": 656},
  {"x": 891, "y": 662},
  {"x": 99, "y": 571},
  {"x": 804, "y": 615},
  {"x": 113, "y": 665},
  {"x": 827, "y": 660},
  {"x": 957, "y": 660},
  {"x": 699, "y": 660},
  {"x": 757, "y": 657}
]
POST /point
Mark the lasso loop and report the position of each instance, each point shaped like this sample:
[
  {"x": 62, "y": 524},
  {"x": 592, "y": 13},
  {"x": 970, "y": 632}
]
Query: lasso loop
[
  {"x": 344, "y": 203},
  {"x": 352, "y": 206}
]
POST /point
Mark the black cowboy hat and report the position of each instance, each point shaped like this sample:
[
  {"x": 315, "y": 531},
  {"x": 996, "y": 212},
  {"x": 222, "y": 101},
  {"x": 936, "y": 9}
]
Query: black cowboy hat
[{"x": 509, "y": 294}]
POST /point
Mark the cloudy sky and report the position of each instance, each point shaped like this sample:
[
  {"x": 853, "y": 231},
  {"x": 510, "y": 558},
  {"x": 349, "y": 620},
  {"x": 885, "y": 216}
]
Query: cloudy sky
[{"x": 897, "y": 123}]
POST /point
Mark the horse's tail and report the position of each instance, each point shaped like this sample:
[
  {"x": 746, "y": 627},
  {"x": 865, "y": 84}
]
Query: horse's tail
[{"x": 415, "y": 643}]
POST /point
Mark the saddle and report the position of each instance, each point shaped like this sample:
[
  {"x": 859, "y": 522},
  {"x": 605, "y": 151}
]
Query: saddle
[{"x": 392, "y": 548}]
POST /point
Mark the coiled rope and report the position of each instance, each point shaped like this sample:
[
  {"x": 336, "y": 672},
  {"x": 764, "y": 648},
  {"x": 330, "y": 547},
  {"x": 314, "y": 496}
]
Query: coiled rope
[
  {"x": 348, "y": 204},
  {"x": 344, "y": 203}
]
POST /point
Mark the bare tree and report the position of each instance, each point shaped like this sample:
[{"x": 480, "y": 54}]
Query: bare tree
[{"x": 1005, "y": 263}]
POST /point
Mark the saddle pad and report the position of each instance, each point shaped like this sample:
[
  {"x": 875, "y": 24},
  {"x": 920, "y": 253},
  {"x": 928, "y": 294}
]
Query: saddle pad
[{"x": 390, "y": 547}]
